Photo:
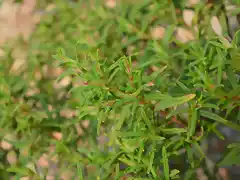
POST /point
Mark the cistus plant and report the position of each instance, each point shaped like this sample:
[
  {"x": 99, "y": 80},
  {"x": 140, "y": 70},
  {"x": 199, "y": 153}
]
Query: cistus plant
[
  {"x": 154, "y": 79},
  {"x": 156, "y": 112},
  {"x": 153, "y": 118}
]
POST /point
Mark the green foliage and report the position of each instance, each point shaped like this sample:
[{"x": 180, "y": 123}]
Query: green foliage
[
  {"x": 232, "y": 157},
  {"x": 154, "y": 101}
]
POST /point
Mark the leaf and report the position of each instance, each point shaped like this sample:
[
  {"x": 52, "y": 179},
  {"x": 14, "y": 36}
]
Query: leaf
[
  {"x": 171, "y": 101},
  {"x": 79, "y": 118},
  {"x": 232, "y": 78},
  {"x": 130, "y": 134},
  {"x": 117, "y": 171},
  {"x": 177, "y": 111},
  {"x": 65, "y": 61},
  {"x": 236, "y": 39},
  {"x": 168, "y": 35},
  {"x": 124, "y": 114},
  {"x": 183, "y": 86},
  {"x": 155, "y": 96},
  {"x": 208, "y": 105},
  {"x": 231, "y": 158},
  {"x": 140, "y": 152},
  {"x": 151, "y": 159},
  {"x": 235, "y": 59},
  {"x": 124, "y": 24},
  {"x": 156, "y": 138},
  {"x": 233, "y": 145},
  {"x": 174, "y": 172},
  {"x": 102, "y": 117},
  {"x": 219, "y": 119},
  {"x": 199, "y": 148},
  {"x": 189, "y": 174},
  {"x": 130, "y": 145},
  {"x": 148, "y": 63},
  {"x": 62, "y": 148},
  {"x": 218, "y": 133},
  {"x": 32, "y": 167},
  {"x": 154, "y": 75},
  {"x": 84, "y": 151},
  {"x": 173, "y": 130},
  {"x": 114, "y": 158},
  {"x": 192, "y": 122},
  {"x": 165, "y": 163},
  {"x": 79, "y": 172},
  {"x": 68, "y": 72},
  {"x": 190, "y": 156},
  {"x": 127, "y": 161},
  {"x": 113, "y": 74},
  {"x": 147, "y": 121},
  {"x": 18, "y": 170}
]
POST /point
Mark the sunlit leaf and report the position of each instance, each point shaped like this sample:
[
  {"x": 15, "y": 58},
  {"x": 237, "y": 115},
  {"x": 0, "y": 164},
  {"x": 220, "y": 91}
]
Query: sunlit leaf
[{"x": 171, "y": 101}]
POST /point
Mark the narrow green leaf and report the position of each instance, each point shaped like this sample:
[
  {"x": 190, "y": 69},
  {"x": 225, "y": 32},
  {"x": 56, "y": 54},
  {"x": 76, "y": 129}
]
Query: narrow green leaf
[
  {"x": 155, "y": 96},
  {"x": 147, "y": 63},
  {"x": 130, "y": 145},
  {"x": 84, "y": 151},
  {"x": 68, "y": 72},
  {"x": 233, "y": 145},
  {"x": 190, "y": 174},
  {"x": 168, "y": 35},
  {"x": 177, "y": 111},
  {"x": 117, "y": 169},
  {"x": 217, "y": 44},
  {"x": 156, "y": 138},
  {"x": 113, "y": 74},
  {"x": 190, "y": 156},
  {"x": 171, "y": 101},
  {"x": 124, "y": 24},
  {"x": 235, "y": 59},
  {"x": 127, "y": 161},
  {"x": 102, "y": 117},
  {"x": 231, "y": 158},
  {"x": 113, "y": 159},
  {"x": 18, "y": 170},
  {"x": 147, "y": 121},
  {"x": 218, "y": 133},
  {"x": 130, "y": 134},
  {"x": 62, "y": 148},
  {"x": 173, "y": 130},
  {"x": 151, "y": 159},
  {"x": 208, "y": 105},
  {"x": 79, "y": 172},
  {"x": 65, "y": 61},
  {"x": 174, "y": 172},
  {"x": 116, "y": 64},
  {"x": 219, "y": 119},
  {"x": 165, "y": 163},
  {"x": 232, "y": 78},
  {"x": 140, "y": 152},
  {"x": 124, "y": 114},
  {"x": 198, "y": 147},
  {"x": 154, "y": 75},
  {"x": 79, "y": 118},
  {"x": 185, "y": 88},
  {"x": 192, "y": 122}
]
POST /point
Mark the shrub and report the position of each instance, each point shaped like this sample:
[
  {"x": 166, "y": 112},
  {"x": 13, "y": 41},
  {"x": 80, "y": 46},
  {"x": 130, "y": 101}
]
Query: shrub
[{"x": 154, "y": 86}]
